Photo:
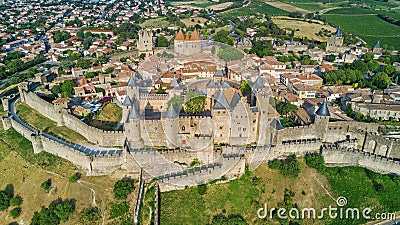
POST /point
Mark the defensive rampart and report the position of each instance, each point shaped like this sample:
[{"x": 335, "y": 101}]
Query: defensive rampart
[{"x": 63, "y": 118}]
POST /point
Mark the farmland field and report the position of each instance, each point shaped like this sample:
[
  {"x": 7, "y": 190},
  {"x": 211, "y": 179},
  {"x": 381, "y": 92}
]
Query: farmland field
[
  {"x": 312, "y": 7},
  {"x": 368, "y": 27},
  {"x": 352, "y": 11},
  {"x": 256, "y": 6},
  {"x": 303, "y": 28},
  {"x": 287, "y": 7}
]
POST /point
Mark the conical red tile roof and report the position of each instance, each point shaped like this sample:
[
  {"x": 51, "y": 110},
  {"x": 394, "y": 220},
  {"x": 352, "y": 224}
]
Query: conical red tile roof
[{"x": 179, "y": 36}]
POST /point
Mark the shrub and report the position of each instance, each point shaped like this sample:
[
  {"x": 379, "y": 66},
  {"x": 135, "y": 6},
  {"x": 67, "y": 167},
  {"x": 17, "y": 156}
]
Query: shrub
[
  {"x": 74, "y": 178},
  {"x": 118, "y": 210},
  {"x": 202, "y": 189},
  {"x": 288, "y": 167},
  {"x": 4, "y": 200},
  {"x": 123, "y": 188},
  {"x": 17, "y": 200},
  {"x": 316, "y": 161},
  {"x": 91, "y": 214},
  {"x": 46, "y": 185},
  {"x": 15, "y": 212}
]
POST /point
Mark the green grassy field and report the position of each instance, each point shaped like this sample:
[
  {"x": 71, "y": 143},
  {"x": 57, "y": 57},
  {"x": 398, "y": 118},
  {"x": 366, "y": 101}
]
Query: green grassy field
[
  {"x": 312, "y": 189},
  {"x": 42, "y": 123},
  {"x": 154, "y": 22},
  {"x": 369, "y": 27}
]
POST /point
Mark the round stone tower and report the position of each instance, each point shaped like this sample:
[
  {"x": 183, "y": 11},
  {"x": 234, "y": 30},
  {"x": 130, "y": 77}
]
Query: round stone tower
[{"x": 321, "y": 121}]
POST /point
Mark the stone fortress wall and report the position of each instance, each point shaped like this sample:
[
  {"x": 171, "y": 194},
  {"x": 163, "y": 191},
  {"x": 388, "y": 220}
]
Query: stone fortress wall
[
  {"x": 63, "y": 118},
  {"x": 93, "y": 165},
  {"x": 349, "y": 143}
]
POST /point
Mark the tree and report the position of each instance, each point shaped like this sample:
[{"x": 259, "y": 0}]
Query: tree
[
  {"x": 4, "y": 200},
  {"x": 223, "y": 37},
  {"x": 368, "y": 56},
  {"x": 90, "y": 74},
  {"x": 142, "y": 56},
  {"x": 122, "y": 189},
  {"x": 46, "y": 185},
  {"x": 16, "y": 201},
  {"x": 315, "y": 161},
  {"x": 67, "y": 88},
  {"x": 373, "y": 65},
  {"x": 175, "y": 102},
  {"x": 381, "y": 80},
  {"x": 331, "y": 58},
  {"x": 261, "y": 48},
  {"x": 202, "y": 189},
  {"x": 286, "y": 109},
  {"x": 66, "y": 65},
  {"x": 194, "y": 103},
  {"x": 90, "y": 215},
  {"x": 288, "y": 167},
  {"x": 15, "y": 212},
  {"x": 74, "y": 178},
  {"x": 245, "y": 87},
  {"x": 161, "y": 41},
  {"x": 83, "y": 63},
  {"x": 63, "y": 210},
  {"x": 56, "y": 89},
  {"x": 109, "y": 70},
  {"x": 389, "y": 69}
]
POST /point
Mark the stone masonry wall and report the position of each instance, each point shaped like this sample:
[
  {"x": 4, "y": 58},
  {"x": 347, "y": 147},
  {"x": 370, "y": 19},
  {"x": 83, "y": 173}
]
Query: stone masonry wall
[{"x": 62, "y": 117}]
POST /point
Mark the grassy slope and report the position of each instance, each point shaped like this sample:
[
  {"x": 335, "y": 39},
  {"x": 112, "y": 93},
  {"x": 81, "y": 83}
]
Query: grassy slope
[
  {"x": 26, "y": 171},
  {"x": 243, "y": 197},
  {"x": 111, "y": 112},
  {"x": 40, "y": 122}
]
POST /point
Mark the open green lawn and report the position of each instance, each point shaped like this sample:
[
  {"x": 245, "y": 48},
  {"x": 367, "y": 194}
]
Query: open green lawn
[
  {"x": 369, "y": 27},
  {"x": 154, "y": 22},
  {"x": 312, "y": 189},
  {"x": 42, "y": 123}
]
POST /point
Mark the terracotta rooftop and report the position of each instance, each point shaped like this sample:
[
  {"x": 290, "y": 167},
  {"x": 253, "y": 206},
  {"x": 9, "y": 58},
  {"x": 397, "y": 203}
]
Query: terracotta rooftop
[
  {"x": 195, "y": 36},
  {"x": 180, "y": 36}
]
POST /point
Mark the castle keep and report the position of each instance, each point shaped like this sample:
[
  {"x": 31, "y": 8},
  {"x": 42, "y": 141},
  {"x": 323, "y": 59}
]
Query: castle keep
[{"x": 187, "y": 45}]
